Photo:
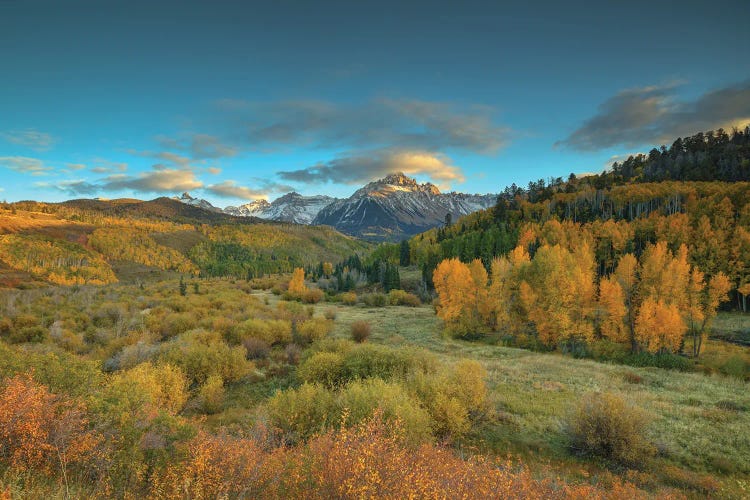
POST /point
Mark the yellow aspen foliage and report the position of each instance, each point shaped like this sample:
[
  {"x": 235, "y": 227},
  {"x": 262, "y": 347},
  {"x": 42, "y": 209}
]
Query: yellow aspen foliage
[
  {"x": 659, "y": 326},
  {"x": 297, "y": 283},
  {"x": 455, "y": 288},
  {"x": 614, "y": 311},
  {"x": 519, "y": 256},
  {"x": 559, "y": 294},
  {"x": 458, "y": 296},
  {"x": 327, "y": 269},
  {"x": 507, "y": 314}
]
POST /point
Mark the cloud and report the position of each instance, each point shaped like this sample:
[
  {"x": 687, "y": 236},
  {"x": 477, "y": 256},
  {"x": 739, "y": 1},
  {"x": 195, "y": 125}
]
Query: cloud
[
  {"x": 38, "y": 141},
  {"x": 25, "y": 165},
  {"x": 75, "y": 166},
  {"x": 162, "y": 180},
  {"x": 381, "y": 123},
  {"x": 72, "y": 187},
  {"x": 362, "y": 167},
  {"x": 170, "y": 158},
  {"x": 230, "y": 189},
  {"x": 102, "y": 166},
  {"x": 654, "y": 115},
  {"x": 199, "y": 146}
]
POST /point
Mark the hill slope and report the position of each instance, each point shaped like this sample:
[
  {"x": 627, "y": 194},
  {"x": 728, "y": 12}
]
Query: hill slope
[{"x": 79, "y": 241}]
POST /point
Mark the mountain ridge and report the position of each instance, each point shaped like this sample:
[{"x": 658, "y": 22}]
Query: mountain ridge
[{"x": 386, "y": 209}]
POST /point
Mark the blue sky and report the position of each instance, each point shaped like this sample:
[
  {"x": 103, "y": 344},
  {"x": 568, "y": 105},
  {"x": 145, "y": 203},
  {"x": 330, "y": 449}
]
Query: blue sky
[{"x": 234, "y": 101}]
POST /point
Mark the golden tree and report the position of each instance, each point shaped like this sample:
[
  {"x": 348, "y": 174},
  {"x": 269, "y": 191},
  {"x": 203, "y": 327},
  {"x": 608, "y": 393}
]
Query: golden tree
[
  {"x": 297, "y": 285},
  {"x": 457, "y": 297}
]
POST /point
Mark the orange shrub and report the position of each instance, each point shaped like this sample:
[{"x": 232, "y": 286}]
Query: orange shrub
[
  {"x": 360, "y": 331},
  {"x": 349, "y": 298},
  {"x": 43, "y": 432}
]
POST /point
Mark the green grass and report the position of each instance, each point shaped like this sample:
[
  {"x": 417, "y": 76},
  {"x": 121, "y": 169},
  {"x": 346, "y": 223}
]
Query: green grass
[
  {"x": 733, "y": 327},
  {"x": 699, "y": 419}
]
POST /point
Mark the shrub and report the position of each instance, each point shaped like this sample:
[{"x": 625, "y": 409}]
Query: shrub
[
  {"x": 6, "y": 326},
  {"x": 349, "y": 298},
  {"x": 135, "y": 354},
  {"x": 201, "y": 354},
  {"x": 256, "y": 348},
  {"x": 360, "y": 331},
  {"x": 211, "y": 394},
  {"x": 271, "y": 331},
  {"x": 324, "y": 367},
  {"x": 375, "y": 299},
  {"x": 177, "y": 323},
  {"x": 403, "y": 298},
  {"x": 312, "y": 295},
  {"x": 662, "y": 360},
  {"x": 735, "y": 366},
  {"x": 370, "y": 360},
  {"x": 292, "y": 353},
  {"x": 604, "y": 425},
  {"x": 163, "y": 387},
  {"x": 300, "y": 413},
  {"x": 37, "y": 428},
  {"x": 28, "y": 334},
  {"x": 330, "y": 313},
  {"x": 632, "y": 378},
  {"x": 454, "y": 397},
  {"x": 361, "y": 398},
  {"x": 313, "y": 329}
]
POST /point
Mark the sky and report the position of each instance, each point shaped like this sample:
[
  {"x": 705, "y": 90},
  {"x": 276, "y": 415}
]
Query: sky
[{"x": 234, "y": 101}]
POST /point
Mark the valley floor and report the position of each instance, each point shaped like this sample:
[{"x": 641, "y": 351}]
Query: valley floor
[{"x": 700, "y": 422}]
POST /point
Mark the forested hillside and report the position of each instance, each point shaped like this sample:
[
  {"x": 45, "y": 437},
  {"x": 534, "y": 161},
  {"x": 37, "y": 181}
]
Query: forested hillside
[
  {"x": 86, "y": 241},
  {"x": 681, "y": 195}
]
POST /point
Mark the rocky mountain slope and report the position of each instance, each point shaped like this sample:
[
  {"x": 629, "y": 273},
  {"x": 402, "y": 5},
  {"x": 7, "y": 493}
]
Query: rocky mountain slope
[
  {"x": 388, "y": 209},
  {"x": 396, "y": 207},
  {"x": 292, "y": 207}
]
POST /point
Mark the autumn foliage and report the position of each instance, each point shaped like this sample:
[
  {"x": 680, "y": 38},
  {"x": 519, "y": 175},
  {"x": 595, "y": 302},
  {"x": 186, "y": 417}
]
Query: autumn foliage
[
  {"x": 44, "y": 432},
  {"x": 652, "y": 302}
]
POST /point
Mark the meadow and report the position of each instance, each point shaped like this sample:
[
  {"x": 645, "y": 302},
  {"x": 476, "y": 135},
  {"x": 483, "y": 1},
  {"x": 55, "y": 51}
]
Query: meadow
[{"x": 159, "y": 365}]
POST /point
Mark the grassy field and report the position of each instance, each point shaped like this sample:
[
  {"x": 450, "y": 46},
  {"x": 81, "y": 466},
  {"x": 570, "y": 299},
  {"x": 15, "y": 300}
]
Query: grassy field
[{"x": 699, "y": 422}]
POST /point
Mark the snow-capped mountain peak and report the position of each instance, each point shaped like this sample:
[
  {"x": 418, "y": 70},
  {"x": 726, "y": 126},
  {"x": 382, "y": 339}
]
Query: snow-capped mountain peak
[
  {"x": 196, "y": 202},
  {"x": 390, "y": 208}
]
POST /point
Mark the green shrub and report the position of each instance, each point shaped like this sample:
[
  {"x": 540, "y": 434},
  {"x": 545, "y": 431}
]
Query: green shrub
[
  {"x": 453, "y": 397},
  {"x": 403, "y": 298},
  {"x": 313, "y": 329},
  {"x": 28, "y": 334},
  {"x": 735, "y": 366},
  {"x": 271, "y": 331},
  {"x": 300, "y": 413},
  {"x": 662, "y": 360},
  {"x": 361, "y": 398},
  {"x": 202, "y": 354},
  {"x": 360, "y": 331},
  {"x": 177, "y": 323},
  {"x": 349, "y": 298},
  {"x": 211, "y": 394},
  {"x": 375, "y": 299},
  {"x": 604, "y": 425},
  {"x": 370, "y": 360},
  {"x": 324, "y": 367}
]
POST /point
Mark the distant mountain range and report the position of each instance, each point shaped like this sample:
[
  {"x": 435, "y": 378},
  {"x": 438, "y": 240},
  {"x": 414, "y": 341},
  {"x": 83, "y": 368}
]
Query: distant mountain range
[{"x": 389, "y": 209}]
